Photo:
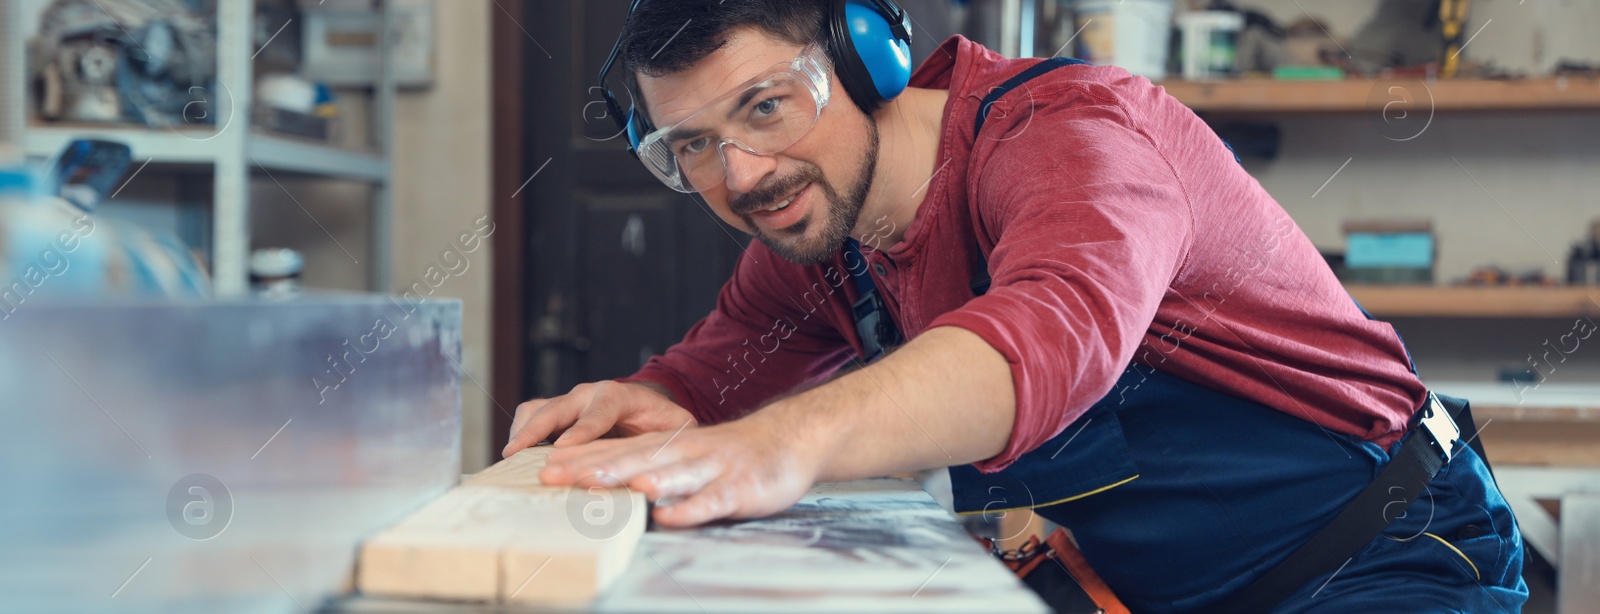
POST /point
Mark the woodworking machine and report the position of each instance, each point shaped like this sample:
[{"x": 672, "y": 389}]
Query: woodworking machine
[
  {"x": 223, "y": 456},
  {"x": 233, "y": 456}
]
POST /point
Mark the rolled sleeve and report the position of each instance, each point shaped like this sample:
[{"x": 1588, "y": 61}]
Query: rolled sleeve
[{"x": 1089, "y": 226}]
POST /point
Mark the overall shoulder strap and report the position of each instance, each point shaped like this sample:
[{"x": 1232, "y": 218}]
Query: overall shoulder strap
[
  {"x": 874, "y": 325},
  {"x": 980, "y": 276},
  {"x": 1015, "y": 81}
]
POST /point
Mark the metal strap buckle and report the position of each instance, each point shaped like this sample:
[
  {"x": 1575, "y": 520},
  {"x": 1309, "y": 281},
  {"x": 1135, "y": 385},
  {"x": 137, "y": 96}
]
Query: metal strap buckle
[{"x": 1441, "y": 426}]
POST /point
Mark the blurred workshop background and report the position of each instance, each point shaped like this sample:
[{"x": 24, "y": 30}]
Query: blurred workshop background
[{"x": 1441, "y": 153}]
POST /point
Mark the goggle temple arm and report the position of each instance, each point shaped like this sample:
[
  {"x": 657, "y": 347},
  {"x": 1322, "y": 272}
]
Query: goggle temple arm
[
  {"x": 637, "y": 128},
  {"x": 629, "y": 122}
]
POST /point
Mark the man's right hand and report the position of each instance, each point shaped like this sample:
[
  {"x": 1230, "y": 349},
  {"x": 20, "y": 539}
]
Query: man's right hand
[{"x": 591, "y": 411}]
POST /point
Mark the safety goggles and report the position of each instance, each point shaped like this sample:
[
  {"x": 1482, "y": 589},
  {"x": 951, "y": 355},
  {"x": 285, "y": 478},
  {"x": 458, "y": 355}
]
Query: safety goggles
[{"x": 762, "y": 116}]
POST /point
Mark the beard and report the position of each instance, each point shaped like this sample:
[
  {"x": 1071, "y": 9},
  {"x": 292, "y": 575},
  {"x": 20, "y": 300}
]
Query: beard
[{"x": 836, "y": 219}]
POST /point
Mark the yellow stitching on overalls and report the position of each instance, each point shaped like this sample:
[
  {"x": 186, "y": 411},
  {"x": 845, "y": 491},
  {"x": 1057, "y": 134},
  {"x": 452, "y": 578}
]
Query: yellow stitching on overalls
[
  {"x": 1056, "y": 502},
  {"x": 1458, "y": 553}
]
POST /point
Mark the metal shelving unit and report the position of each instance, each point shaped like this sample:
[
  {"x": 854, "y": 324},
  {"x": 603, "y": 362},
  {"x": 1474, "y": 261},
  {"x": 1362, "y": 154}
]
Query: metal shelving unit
[
  {"x": 11, "y": 71},
  {"x": 234, "y": 150},
  {"x": 276, "y": 153}
]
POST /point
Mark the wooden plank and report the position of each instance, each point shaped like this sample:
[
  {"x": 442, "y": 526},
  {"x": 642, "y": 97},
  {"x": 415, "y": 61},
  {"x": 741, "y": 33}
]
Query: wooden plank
[
  {"x": 1478, "y": 302},
  {"x": 502, "y": 536},
  {"x": 1362, "y": 95}
]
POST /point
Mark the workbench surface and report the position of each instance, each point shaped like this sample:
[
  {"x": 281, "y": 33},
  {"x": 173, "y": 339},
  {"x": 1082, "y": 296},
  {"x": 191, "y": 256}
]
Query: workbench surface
[{"x": 872, "y": 545}]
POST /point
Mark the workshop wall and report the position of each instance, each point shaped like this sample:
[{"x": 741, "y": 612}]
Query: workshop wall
[
  {"x": 441, "y": 189},
  {"x": 442, "y": 179}
]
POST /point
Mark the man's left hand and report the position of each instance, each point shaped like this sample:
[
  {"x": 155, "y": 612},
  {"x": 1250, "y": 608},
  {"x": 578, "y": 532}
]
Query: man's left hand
[{"x": 741, "y": 469}]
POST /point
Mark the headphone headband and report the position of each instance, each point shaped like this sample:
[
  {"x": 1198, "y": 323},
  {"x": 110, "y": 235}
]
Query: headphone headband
[
  {"x": 899, "y": 20},
  {"x": 625, "y": 120}
]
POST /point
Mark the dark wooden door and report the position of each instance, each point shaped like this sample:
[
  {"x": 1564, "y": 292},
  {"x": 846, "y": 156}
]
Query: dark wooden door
[{"x": 615, "y": 267}]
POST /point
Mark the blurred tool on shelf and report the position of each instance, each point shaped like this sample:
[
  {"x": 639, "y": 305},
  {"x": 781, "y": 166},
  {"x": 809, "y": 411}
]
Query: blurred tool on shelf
[
  {"x": 86, "y": 171},
  {"x": 1583, "y": 263},
  {"x": 1390, "y": 251},
  {"x": 123, "y": 61},
  {"x": 1497, "y": 276},
  {"x": 1210, "y": 43},
  {"x": 289, "y": 104},
  {"x": 275, "y": 273},
  {"x": 1132, "y": 34},
  {"x": 1452, "y": 23},
  {"x": 55, "y": 247}
]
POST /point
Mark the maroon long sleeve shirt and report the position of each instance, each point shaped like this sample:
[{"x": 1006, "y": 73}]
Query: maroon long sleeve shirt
[{"x": 1117, "y": 228}]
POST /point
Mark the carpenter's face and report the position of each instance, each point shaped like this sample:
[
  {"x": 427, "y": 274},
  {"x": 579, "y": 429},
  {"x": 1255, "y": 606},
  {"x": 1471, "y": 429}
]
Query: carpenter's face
[{"x": 823, "y": 177}]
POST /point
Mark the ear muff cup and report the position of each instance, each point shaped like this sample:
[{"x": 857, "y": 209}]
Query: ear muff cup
[{"x": 873, "y": 64}]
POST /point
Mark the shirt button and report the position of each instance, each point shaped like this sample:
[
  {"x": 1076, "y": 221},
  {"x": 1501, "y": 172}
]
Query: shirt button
[{"x": 882, "y": 272}]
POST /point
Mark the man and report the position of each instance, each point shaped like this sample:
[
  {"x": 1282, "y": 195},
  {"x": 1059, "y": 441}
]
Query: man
[{"x": 1105, "y": 317}]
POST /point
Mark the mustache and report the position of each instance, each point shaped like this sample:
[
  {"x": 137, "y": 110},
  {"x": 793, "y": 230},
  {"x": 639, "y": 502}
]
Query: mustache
[{"x": 768, "y": 195}]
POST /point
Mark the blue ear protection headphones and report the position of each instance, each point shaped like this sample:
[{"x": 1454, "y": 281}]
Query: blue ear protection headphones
[{"x": 869, "y": 42}]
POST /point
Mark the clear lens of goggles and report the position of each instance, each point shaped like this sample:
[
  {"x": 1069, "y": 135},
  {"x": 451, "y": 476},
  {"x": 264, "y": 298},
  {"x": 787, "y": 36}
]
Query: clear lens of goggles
[{"x": 766, "y": 116}]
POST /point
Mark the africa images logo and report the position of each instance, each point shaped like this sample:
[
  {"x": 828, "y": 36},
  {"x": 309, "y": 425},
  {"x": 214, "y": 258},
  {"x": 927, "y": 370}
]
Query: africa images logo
[
  {"x": 600, "y": 512},
  {"x": 199, "y": 507}
]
